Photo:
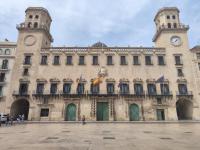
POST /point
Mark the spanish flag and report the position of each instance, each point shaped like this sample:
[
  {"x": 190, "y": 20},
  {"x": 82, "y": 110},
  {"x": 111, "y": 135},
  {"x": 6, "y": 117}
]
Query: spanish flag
[{"x": 97, "y": 81}]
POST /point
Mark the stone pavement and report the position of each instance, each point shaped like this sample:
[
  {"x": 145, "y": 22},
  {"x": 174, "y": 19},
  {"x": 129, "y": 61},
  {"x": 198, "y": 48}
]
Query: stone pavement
[{"x": 101, "y": 136}]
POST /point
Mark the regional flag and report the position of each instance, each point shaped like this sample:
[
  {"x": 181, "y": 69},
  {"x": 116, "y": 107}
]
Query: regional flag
[{"x": 161, "y": 79}]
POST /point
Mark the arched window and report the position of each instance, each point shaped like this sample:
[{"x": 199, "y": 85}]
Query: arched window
[
  {"x": 5, "y": 64},
  {"x": 7, "y": 52},
  {"x": 30, "y": 16},
  {"x": 169, "y": 25},
  {"x": 175, "y": 25},
  {"x": 35, "y": 25},
  {"x": 174, "y": 17},
  {"x": 36, "y": 17},
  {"x": 29, "y": 25}
]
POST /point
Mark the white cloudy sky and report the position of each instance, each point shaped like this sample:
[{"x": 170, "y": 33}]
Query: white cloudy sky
[{"x": 114, "y": 22}]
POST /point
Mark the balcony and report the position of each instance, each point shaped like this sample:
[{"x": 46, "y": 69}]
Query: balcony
[
  {"x": 21, "y": 93},
  {"x": 4, "y": 68},
  {"x": 165, "y": 94},
  {"x": 187, "y": 94},
  {"x": 46, "y": 93}
]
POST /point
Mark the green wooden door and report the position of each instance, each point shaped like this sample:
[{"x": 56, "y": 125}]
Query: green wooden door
[
  {"x": 134, "y": 112},
  {"x": 102, "y": 111},
  {"x": 160, "y": 114},
  {"x": 71, "y": 112}
]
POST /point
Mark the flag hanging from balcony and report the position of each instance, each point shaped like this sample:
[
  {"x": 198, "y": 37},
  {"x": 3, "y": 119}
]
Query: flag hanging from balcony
[
  {"x": 97, "y": 81},
  {"x": 161, "y": 79}
]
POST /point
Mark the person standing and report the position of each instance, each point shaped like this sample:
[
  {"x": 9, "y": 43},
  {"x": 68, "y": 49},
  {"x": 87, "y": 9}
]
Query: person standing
[
  {"x": 7, "y": 119},
  {"x": 0, "y": 120},
  {"x": 83, "y": 120}
]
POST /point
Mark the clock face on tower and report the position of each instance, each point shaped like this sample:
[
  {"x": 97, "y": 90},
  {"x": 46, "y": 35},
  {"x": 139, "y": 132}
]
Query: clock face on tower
[
  {"x": 29, "y": 40},
  {"x": 176, "y": 41}
]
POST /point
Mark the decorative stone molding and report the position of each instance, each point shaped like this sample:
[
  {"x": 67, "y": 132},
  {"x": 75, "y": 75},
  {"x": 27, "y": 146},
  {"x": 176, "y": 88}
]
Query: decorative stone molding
[
  {"x": 151, "y": 80},
  {"x": 136, "y": 80},
  {"x": 183, "y": 80},
  {"x": 54, "y": 80},
  {"x": 68, "y": 80},
  {"x": 41, "y": 80},
  {"x": 24, "y": 80},
  {"x": 110, "y": 80},
  {"x": 124, "y": 80}
]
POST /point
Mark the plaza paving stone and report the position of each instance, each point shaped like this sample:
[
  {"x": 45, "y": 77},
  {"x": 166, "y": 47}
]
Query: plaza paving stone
[{"x": 101, "y": 136}]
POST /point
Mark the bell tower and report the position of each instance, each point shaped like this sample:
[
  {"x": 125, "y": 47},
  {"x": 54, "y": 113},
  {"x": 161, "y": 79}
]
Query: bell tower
[{"x": 170, "y": 32}]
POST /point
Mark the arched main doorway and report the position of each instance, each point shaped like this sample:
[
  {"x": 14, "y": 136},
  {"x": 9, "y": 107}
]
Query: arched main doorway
[
  {"x": 184, "y": 109},
  {"x": 70, "y": 112},
  {"x": 20, "y": 107},
  {"x": 134, "y": 112}
]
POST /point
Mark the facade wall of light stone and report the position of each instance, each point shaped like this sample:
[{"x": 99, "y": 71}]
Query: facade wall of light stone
[
  {"x": 86, "y": 104},
  {"x": 11, "y": 48}
]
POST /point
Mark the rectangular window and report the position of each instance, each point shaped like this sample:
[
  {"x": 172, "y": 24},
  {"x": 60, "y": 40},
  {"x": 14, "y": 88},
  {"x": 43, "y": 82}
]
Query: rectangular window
[
  {"x": 94, "y": 89},
  {"x": 136, "y": 60},
  {"x": 69, "y": 60},
  {"x": 124, "y": 88},
  {"x": 178, "y": 60},
  {"x": 109, "y": 60},
  {"x": 81, "y": 60},
  {"x": 44, "y": 112},
  {"x": 180, "y": 72},
  {"x": 56, "y": 60},
  {"x": 25, "y": 72},
  {"x": 123, "y": 60},
  {"x": 80, "y": 88},
  {"x": 182, "y": 89},
  {"x": 27, "y": 60},
  {"x": 2, "y": 77},
  {"x": 5, "y": 64},
  {"x": 95, "y": 60},
  {"x": 1, "y": 90},
  {"x": 40, "y": 88},
  {"x": 164, "y": 89},
  {"x": 198, "y": 56},
  {"x": 67, "y": 88},
  {"x": 161, "y": 60},
  {"x": 159, "y": 101},
  {"x": 53, "y": 89},
  {"x": 44, "y": 60},
  {"x": 138, "y": 89},
  {"x": 23, "y": 89},
  {"x": 199, "y": 65},
  {"x": 148, "y": 60},
  {"x": 110, "y": 88},
  {"x": 151, "y": 89}
]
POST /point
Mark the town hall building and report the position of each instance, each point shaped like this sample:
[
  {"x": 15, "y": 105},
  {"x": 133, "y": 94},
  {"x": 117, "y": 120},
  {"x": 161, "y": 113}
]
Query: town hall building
[{"x": 104, "y": 83}]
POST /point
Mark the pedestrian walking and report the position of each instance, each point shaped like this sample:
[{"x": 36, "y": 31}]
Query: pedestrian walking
[
  {"x": 11, "y": 120},
  {"x": 7, "y": 119},
  {"x": 0, "y": 121},
  {"x": 83, "y": 120}
]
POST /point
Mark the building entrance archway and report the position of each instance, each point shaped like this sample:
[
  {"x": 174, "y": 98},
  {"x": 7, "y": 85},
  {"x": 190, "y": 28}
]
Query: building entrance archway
[
  {"x": 20, "y": 107},
  {"x": 184, "y": 109},
  {"x": 70, "y": 112}
]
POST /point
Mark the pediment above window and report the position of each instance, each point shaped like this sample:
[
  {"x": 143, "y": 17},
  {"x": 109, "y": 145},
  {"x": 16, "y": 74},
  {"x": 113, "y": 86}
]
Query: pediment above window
[
  {"x": 54, "y": 80},
  {"x": 24, "y": 80},
  {"x": 68, "y": 80},
  {"x": 110, "y": 80},
  {"x": 151, "y": 80},
  {"x": 124, "y": 80},
  {"x": 41, "y": 80},
  {"x": 183, "y": 80},
  {"x": 136, "y": 80}
]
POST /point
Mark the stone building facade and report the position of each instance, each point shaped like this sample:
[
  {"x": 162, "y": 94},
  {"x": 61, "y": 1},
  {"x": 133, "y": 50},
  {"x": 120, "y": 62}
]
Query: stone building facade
[
  {"x": 7, "y": 59},
  {"x": 136, "y": 84}
]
